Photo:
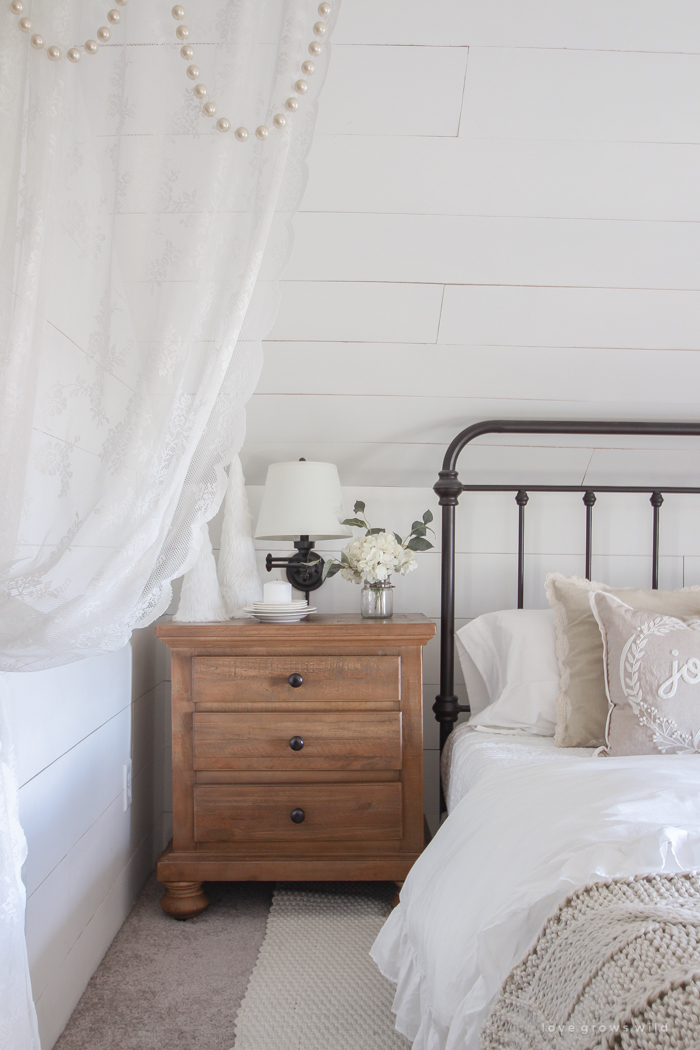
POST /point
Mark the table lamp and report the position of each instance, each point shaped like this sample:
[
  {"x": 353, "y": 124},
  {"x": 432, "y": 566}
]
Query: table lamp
[{"x": 302, "y": 502}]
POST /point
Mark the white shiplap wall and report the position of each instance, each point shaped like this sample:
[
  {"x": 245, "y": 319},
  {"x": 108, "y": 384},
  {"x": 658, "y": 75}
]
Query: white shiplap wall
[
  {"x": 502, "y": 219},
  {"x": 73, "y": 729}
]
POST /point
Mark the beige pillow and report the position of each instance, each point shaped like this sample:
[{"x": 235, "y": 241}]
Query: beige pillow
[
  {"x": 652, "y": 678},
  {"x": 582, "y": 705}
]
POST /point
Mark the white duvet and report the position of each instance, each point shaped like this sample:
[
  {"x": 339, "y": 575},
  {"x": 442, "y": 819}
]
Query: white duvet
[{"x": 514, "y": 847}]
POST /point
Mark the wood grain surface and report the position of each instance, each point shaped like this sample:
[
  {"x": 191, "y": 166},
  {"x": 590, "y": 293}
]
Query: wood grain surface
[
  {"x": 331, "y": 811},
  {"x": 326, "y": 678},
  {"x": 358, "y": 740}
]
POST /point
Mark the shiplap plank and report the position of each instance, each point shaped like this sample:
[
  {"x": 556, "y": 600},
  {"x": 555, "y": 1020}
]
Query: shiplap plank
[
  {"x": 631, "y": 467},
  {"x": 536, "y": 93},
  {"x": 635, "y": 571},
  {"x": 382, "y": 419},
  {"x": 691, "y": 571},
  {"x": 571, "y": 317},
  {"x": 359, "y": 311},
  {"x": 416, "y": 419},
  {"x": 80, "y": 786},
  {"x": 679, "y": 525},
  {"x": 393, "y": 91},
  {"x": 496, "y": 250},
  {"x": 643, "y": 25},
  {"x": 74, "y": 700},
  {"x": 637, "y": 376},
  {"x": 597, "y": 180}
]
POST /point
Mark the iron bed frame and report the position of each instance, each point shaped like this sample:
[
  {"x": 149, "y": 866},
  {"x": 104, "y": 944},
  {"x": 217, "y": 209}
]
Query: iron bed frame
[{"x": 449, "y": 488}]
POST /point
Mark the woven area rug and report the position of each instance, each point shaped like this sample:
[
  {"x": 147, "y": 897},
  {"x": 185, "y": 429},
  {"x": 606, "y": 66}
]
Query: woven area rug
[{"x": 314, "y": 986}]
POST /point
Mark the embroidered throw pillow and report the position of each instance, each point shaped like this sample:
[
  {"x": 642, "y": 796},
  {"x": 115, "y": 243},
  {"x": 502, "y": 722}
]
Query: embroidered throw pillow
[
  {"x": 652, "y": 678},
  {"x": 582, "y": 706}
]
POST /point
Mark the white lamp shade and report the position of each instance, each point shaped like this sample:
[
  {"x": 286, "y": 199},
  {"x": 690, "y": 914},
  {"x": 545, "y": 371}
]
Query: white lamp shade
[{"x": 302, "y": 499}]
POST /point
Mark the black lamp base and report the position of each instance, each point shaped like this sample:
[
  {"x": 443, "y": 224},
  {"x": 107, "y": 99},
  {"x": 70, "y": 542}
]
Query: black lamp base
[{"x": 304, "y": 569}]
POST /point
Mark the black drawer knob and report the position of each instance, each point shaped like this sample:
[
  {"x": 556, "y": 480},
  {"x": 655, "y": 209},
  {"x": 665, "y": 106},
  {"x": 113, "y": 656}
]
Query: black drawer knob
[
  {"x": 296, "y": 743},
  {"x": 298, "y": 816},
  {"x": 295, "y": 680}
]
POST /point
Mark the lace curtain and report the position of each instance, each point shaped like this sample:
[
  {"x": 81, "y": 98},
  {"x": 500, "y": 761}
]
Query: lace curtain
[{"x": 138, "y": 265}]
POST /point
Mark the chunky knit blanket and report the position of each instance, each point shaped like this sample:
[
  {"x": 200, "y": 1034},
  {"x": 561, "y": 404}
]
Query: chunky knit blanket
[{"x": 617, "y": 966}]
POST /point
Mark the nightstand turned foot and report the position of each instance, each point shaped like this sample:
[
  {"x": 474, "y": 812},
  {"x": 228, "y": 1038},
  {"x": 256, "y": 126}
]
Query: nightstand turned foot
[
  {"x": 395, "y": 898},
  {"x": 184, "y": 900}
]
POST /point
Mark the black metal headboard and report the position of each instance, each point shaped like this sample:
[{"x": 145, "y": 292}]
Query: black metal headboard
[{"x": 449, "y": 488}]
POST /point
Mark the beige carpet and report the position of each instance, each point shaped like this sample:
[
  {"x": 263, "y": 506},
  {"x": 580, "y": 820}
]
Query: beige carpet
[
  {"x": 314, "y": 986},
  {"x": 167, "y": 985}
]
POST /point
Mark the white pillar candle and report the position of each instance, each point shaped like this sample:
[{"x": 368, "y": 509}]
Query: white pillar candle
[{"x": 277, "y": 592}]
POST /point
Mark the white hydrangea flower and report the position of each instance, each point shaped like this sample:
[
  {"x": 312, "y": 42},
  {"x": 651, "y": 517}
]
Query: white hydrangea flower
[
  {"x": 407, "y": 561},
  {"x": 374, "y": 558}
]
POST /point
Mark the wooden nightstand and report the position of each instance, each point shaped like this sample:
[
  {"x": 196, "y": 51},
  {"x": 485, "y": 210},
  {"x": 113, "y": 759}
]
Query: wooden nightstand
[{"x": 297, "y": 752}]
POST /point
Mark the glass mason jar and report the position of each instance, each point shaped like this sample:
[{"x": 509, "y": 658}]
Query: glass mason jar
[{"x": 378, "y": 600}]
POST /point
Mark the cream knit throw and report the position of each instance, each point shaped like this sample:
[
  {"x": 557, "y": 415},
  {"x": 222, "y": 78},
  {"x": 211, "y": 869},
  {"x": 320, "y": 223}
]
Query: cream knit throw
[{"x": 617, "y": 966}]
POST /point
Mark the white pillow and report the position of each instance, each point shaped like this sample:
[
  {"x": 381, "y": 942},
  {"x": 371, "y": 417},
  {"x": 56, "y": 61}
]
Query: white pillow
[{"x": 510, "y": 665}]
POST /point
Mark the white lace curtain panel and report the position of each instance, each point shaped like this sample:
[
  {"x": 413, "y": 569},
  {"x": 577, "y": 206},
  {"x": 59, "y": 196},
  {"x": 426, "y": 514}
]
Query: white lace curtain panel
[{"x": 138, "y": 264}]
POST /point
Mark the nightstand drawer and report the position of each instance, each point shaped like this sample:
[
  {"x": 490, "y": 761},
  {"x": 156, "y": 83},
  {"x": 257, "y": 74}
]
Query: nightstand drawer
[
  {"x": 307, "y": 740},
  {"x": 219, "y": 679},
  {"x": 297, "y": 813}
]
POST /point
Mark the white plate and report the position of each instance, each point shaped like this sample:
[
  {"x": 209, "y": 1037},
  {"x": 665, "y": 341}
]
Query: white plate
[
  {"x": 278, "y": 617},
  {"x": 279, "y": 606}
]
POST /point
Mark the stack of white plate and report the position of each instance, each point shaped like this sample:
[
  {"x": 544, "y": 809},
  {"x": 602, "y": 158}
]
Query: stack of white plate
[{"x": 280, "y": 612}]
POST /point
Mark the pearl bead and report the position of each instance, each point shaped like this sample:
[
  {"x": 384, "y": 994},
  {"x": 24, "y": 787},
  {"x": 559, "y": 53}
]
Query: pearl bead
[
  {"x": 114, "y": 17},
  {"x": 25, "y": 24},
  {"x": 320, "y": 28},
  {"x": 209, "y": 109},
  {"x": 301, "y": 87},
  {"x": 104, "y": 34},
  {"x": 122, "y": 3},
  {"x": 178, "y": 12},
  {"x": 91, "y": 47},
  {"x": 54, "y": 53},
  {"x": 38, "y": 41},
  {"x": 182, "y": 32},
  {"x": 324, "y": 10},
  {"x": 315, "y": 48},
  {"x": 223, "y": 124},
  {"x": 241, "y": 134},
  {"x": 292, "y": 104},
  {"x": 200, "y": 91},
  {"x": 187, "y": 51},
  {"x": 17, "y": 7},
  {"x": 193, "y": 72},
  {"x": 308, "y": 68},
  {"x": 73, "y": 54},
  {"x": 262, "y": 132},
  {"x": 279, "y": 120}
]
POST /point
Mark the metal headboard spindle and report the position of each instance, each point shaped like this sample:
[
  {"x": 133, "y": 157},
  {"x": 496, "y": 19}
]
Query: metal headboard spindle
[{"x": 449, "y": 488}]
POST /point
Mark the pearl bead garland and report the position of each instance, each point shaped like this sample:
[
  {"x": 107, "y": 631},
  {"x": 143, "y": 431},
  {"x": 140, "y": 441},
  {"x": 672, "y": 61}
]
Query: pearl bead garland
[
  {"x": 73, "y": 54},
  {"x": 223, "y": 124},
  {"x": 200, "y": 92}
]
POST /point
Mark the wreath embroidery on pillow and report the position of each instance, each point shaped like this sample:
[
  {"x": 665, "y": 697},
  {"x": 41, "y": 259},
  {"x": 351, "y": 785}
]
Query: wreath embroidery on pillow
[{"x": 666, "y": 732}]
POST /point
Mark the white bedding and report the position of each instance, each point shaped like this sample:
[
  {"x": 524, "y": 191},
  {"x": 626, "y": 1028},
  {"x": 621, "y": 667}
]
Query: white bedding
[
  {"x": 472, "y": 753},
  {"x": 519, "y": 841}
]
